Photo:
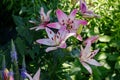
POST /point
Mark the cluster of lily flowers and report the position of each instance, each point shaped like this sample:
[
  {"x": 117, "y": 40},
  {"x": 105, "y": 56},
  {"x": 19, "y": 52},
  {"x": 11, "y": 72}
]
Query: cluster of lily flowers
[{"x": 66, "y": 26}]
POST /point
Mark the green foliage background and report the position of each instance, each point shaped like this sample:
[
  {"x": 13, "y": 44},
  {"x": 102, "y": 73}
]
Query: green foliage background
[{"x": 61, "y": 64}]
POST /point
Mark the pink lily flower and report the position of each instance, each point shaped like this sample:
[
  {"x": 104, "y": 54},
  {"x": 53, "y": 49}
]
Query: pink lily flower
[
  {"x": 91, "y": 39},
  {"x": 35, "y": 77},
  {"x": 45, "y": 19},
  {"x": 55, "y": 40},
  {"x": 85, "y": 12},
  {"x": 69, "y": 21},
  {"x": 86, "y": 57}
]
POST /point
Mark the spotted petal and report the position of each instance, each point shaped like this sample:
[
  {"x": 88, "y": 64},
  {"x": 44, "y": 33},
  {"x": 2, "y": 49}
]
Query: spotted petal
[
  {"x": 62, "y": 17},
  {"x": 50, "y": 33},
  {"x": 93, "y": 53}
]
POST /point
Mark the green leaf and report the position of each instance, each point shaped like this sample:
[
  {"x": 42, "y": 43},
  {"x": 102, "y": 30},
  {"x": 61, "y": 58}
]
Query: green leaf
[
  {"x": 113, "y": 57},
  {"x": 18, "y": 20},
  {"x": 96, "y": 73},
  {"x": 105, "y": 38},
  {"x": 21, "y": 46},
  {"x": 117, "y": 65}
]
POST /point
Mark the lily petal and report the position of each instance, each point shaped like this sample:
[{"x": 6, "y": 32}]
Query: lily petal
[
  {"x": 91, "y": 39},
  {"x": 28, "y": 76},
  {"x": 55, "y": 25},
  {"x": 87, "y": 49},
  {"x": 38, "y": 27},
  {"x": 93, "y": 62},
  {"x": 46, "y": 42},
  {"x": 79, "y": 37},
  {"x": 87, "y": 67},
  {"x": 50, "y": 33},
  {"x": 90, "y": 14},
  {"x": 51, "y": 49},
  {"x": 83, "y": 7},
  {"x": 68, "y": 35},
  {"x": 62, "y": 17},
  {"x": 62, "y": 32},
  {"x": 87, "y": 15},
  {"x": 33, "y": 28},
  {"x": 37, "y": 75},
  {"x": 48, "y": 15},
  {"x": 78, "y": 22},
  {"x": 63, "y": 45},
  {"x": 42, "y": 13},
  {"x": 72, "y": 14},
  {"x": 94, "y": 53}
]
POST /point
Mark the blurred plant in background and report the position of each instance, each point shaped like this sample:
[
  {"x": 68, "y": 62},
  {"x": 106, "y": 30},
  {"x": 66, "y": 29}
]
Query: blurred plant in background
[{"x": 60, "y": 64}]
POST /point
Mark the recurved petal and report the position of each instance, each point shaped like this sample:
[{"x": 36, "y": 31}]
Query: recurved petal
[
  {"x": 62, "y": 17},
  {"x": 67, "y": 36},
  {"x": 37, "y": 75},
  {"x": 87, "y": 67},
  {"x": 93, "y": 62},
  {"x": 55, "y": 25},
  {"x": 51, "y": 49},
  {"x": 46, "y": 42},
  {"x": 72, "y": 14},
  {"x": 62, "y": 45},
  {"x": 79, "y": 37},
  {"x": 78, "y": 22},
  {"x": 91, "y": 39}
]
